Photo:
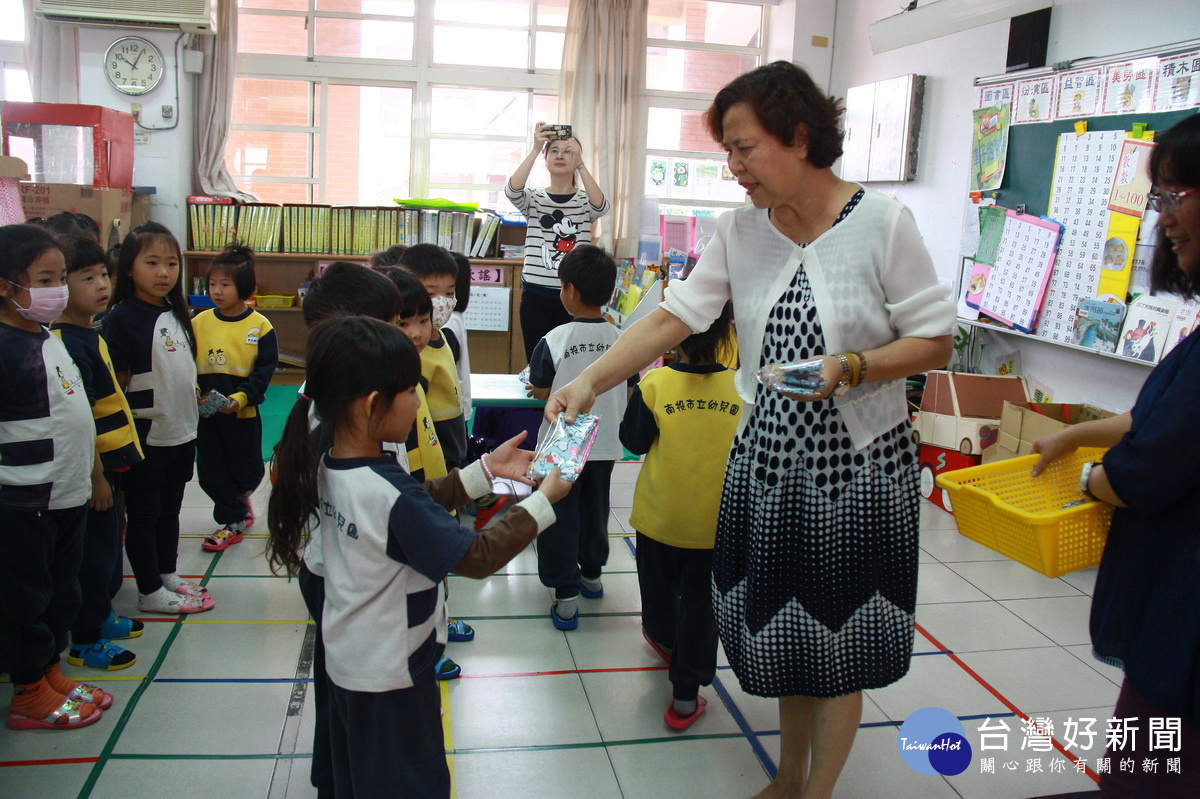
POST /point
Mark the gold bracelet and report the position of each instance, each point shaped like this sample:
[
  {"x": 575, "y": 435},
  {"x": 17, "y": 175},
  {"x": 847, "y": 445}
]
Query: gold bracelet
[
  {"x": 843, "y": 384},
  {"x": 855, "y": 369}
]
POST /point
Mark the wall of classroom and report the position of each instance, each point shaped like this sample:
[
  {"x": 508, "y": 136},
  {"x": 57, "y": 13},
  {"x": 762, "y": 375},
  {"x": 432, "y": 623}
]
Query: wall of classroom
[{"x": 1078, "y": 29}]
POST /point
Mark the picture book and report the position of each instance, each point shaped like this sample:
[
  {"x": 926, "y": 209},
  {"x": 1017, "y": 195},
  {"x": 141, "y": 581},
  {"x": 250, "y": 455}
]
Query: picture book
[
  {"x": 1147, "y": 324},
  {"x": 1098, "y": 324},
  {"x": 1183, "y": 325}
]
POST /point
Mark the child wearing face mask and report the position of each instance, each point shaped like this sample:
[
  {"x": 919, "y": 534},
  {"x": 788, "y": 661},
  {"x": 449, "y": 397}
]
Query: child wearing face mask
[
  {"x": 46, "y": 458},
  {"x": 560, "y": 217},
  {"x": 149, "y": 334},
  {"x": 436, "y": 270}
]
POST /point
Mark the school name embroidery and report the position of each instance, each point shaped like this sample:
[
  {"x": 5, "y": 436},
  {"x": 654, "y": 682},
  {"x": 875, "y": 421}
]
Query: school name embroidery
[
  {"x": 679, "y": 406},
  {"x": 580, "y": 349}
]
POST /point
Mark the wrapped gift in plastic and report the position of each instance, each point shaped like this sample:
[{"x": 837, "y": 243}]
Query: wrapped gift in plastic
[
  {"x": 803, "y": 377},
  {"x": 566, "y": 446},
  {"x": 212, "y": 402}
]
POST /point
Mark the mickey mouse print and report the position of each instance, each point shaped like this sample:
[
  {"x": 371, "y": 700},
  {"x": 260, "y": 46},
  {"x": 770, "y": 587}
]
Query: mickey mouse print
[{"x": 557, "y": 223}]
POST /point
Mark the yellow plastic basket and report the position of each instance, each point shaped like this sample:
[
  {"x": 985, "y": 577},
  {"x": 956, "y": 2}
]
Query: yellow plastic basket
[
  {"x": 275, "y": 300},
  {"x": 1002, "y": 507}
]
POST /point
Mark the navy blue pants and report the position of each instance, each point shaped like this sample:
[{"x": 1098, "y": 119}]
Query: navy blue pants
[
  {"x": 677, "y": 611},
  {"x": 39, "y": 588},
  {"x": 153, "y": 497},
  {"x": 312, "y": 587},
  {"x": 229, "y": 463},
  {"x": 541, "y": 311},
  {"x": 577, "y": 542},
  {"x": 100, "y": 575},
  {"x": 389, "y": 743}
]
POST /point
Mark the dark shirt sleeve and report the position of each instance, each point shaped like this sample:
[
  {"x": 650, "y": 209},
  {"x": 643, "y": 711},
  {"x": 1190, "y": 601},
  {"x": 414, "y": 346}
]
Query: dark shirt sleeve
[
  {"x": 1154, "y": 465},
  {"x": 421, "y": 534},
  {"x": 256, "y": 383},
  {"x": 638, "y": 428},
  {"x": 541, "y": 366},
  {"x": 118, "y": 333},
  {"x": 78, "y": 352}
]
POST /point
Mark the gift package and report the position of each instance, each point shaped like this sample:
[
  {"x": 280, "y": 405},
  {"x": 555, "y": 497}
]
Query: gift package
[{"x": 566, "y": 446}]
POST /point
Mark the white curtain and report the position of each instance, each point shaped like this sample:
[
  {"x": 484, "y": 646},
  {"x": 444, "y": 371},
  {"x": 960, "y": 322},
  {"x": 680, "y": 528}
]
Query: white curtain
[
  {"x": 603, "y": 72},
  {"x": 52, "y": 58},
  {"x": 214, "y": 106}
]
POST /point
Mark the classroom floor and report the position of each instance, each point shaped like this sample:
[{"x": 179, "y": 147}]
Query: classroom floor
[{"x": 217, "y": 704}]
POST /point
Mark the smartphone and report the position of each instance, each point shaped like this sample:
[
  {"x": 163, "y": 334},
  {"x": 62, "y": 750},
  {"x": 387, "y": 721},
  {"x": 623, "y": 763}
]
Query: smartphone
[{"x": 560, "y": 131}]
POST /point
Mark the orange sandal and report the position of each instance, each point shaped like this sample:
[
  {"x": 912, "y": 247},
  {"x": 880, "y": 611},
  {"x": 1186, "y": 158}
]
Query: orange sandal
[{"x": 67, "y": 716}]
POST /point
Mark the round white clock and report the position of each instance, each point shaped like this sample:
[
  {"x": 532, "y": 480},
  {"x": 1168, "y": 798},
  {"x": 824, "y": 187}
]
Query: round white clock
[{"x": 133, "y": 65}]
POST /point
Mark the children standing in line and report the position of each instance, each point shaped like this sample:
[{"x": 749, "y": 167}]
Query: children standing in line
[
  {"x": 384, "y": 543},
  {"x": 682, "y": 418},
  {"x": 117, "y": 448},
  {"x": 559, "y": 217},
  {"x": 237, "y": 356},
  {"x": 47, "y": 446},
  {"x": 149, "y": 334},
  {"x": 437, "y": 272},
  {"x": 572, "y": 554}
]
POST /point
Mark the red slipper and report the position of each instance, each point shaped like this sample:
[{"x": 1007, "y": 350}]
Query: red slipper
[
  {"x": 657, "y": 647},
  {"x": 678, "y": 722},
  {"x": 220, "y": 540}
]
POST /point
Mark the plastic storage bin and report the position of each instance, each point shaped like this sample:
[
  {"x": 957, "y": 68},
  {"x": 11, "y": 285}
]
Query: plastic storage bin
[
  {"x": 1002, "y": 507},
  {"x": 275, "y": 300}
]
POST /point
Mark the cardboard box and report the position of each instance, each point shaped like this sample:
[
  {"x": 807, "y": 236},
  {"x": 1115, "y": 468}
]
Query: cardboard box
[
  {"x": 1022, "y": 423},
  {"x": 962, "y": 411},
  {"x": 108, "y": 144},
  {"x": 103, "y": 205},
  {"x": 11, "y": 167},
  {"x": 936, "y": 460}
]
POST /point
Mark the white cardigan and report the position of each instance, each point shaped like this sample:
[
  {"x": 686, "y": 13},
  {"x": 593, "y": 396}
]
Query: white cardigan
[{"x": 872, "y": 281}]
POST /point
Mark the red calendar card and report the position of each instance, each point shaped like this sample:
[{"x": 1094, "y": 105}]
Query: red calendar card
[{"x": 1017, "y": 284}]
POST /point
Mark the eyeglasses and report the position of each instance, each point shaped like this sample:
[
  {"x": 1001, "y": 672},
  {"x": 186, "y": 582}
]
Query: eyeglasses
[{"x": 1160, "y": 200}]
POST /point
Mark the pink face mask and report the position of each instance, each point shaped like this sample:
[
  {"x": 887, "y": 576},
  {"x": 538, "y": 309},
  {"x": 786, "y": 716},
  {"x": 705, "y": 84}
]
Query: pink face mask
[{"x": 46, "y": 303}]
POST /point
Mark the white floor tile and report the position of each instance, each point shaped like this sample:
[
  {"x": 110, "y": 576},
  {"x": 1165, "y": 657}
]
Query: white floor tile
[
  {"x": 512, "y": 646},
  {"x": 1007, "y": 579},
  {"x": 936, "y": 583},
  {"x": 521, "y": 711},
  {"x": 611, "y": 642},
  {"x": 1084, "y": 579},
  {"x": 1049, "y": 678},
  {"x": 537, "y": 774},
  {"x": 974, "y": 626},
  {"x": 630, "y": 706},
  {"x": 1084, "y": 653},
  {"x": 1063, "y": 619},
  {"x": 934, "y": 518},
  {"x": 935, "y": 681},
  {"x": 64, "y": 779},
  {"x": 122, "y": 779},
  {"x": 499, "y": 595},
  {"x": 621, "y": 494},
  {"x": 217, "y": 651},
  {"x": 253, "y": 600},
  {"x": 207, "y": 718},
  {"x": 688, "y": 767},
  {"x": 950, "y": 546}
]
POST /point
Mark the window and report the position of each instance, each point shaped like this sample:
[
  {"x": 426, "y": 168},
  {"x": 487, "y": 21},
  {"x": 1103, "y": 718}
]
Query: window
[
  {"x": 417, "y": 98},
  {"x": 14, "y": 80},
  {"x": 694, "y": 48}
]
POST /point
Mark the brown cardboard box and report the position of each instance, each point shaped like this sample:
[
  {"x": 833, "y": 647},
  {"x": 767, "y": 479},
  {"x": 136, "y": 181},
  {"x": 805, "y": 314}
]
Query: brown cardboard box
[
  {"x": 13, "y": 167},
  {"x": 1022, "y": 423},
  {"x": 103, "y": 205}
]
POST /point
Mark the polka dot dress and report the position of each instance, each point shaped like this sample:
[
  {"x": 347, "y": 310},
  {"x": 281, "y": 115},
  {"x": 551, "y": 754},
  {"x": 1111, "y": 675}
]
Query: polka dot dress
[{"x": 815, "y": 568}]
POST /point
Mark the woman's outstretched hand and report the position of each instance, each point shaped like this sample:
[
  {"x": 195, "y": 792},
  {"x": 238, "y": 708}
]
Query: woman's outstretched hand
[
  {"x": 575, "y": 397},
  {"x": 511, "y": 462},
  {"x": 1051, "y": 448}
]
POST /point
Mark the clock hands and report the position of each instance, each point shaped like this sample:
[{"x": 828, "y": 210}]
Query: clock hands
[{"x": 136, "y": 60}]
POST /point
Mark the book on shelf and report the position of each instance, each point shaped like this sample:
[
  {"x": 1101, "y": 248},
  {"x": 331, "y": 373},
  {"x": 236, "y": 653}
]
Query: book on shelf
[
  {"x": 487, "y": 232},
  {"x": 1183, "y": 325},
  {"x": 1147, "y": 325},
  {"x": 1097, "y": 324}
]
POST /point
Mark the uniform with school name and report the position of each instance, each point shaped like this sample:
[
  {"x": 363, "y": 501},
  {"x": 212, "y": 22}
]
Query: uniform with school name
[
  {"x": 148, "y": 342},
  {"x": 236, "y": 355}
]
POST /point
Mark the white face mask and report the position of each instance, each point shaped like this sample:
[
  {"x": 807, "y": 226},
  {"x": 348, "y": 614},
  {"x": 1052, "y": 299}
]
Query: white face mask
[
  {"x": 442, "y": 308},
  {"x": 46, "y": 303}
]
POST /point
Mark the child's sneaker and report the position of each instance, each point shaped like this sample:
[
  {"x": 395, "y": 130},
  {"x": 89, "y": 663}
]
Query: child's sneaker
[
  {"x": 486, "y": 508},
  {"x": 591, "y": 587},
  {"x": 459, "y": 630},
  {"x": 119, "y": 628},
  {"x": 222, "y": 539},
  {"x": 103, "y": 655},
  {"x": 446, "y": 669}
]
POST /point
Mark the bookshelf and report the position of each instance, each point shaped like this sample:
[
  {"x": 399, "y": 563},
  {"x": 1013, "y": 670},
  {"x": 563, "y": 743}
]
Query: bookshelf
[{"x": 282, "y": 273}]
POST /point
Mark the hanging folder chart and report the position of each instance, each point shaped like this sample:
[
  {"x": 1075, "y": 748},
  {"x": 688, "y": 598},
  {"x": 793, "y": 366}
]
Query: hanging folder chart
[{"x": 1024, "y": 261}]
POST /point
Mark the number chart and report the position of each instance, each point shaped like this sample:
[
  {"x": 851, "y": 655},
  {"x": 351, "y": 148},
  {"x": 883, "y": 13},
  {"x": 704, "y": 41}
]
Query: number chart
[
  {"x": 1024, "y": 263},
  {"x": 1084, "y": 169}
]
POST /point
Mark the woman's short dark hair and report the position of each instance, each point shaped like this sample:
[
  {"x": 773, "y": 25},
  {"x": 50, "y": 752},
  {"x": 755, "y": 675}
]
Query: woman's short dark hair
[
  {"x": 1175, "y": 161},
  {"x": 237, "y": 263},
  {"x": 783, "y": 96}
]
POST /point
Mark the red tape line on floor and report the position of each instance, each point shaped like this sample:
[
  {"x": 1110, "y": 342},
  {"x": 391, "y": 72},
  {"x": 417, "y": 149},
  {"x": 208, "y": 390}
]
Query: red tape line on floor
[
  {"x": 1004, "y": 700},
  {"x": 57, "y": 762}
]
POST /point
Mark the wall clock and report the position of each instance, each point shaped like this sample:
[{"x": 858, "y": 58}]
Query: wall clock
[{"x": 133, "y": 65}]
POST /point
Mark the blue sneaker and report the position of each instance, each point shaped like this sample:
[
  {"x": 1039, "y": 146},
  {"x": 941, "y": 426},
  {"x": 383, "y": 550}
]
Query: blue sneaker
[
  {"x": 459, "y": 630},
  {"x": 591, "y": 587},
  {"x": 103, "y": 655}
]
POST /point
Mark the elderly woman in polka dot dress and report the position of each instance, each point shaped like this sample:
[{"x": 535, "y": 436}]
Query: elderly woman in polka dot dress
[{"x": 815, "y": 568}]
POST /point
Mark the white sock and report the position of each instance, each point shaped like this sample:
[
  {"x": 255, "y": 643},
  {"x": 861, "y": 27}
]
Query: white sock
[
  {"x": 566, "y": 609},
  {"x": 171, "y": 581}
]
